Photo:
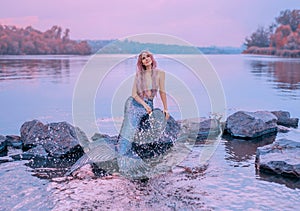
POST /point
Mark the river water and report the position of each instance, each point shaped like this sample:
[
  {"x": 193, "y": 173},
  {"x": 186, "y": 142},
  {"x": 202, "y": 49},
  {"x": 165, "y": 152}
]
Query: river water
[{"x": 42, "y": 87}]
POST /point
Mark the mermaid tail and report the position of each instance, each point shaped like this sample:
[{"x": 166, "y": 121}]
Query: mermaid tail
[{"x": 137, "y": 127}]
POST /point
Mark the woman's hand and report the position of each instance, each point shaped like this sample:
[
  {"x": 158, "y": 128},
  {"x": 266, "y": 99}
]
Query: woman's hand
[
  {"x": 167, "y": 115},
  {"x": 147, "y": 108}
]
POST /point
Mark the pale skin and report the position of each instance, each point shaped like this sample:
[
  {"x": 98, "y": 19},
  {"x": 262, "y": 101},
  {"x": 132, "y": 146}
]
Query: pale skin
[{"x": 147, "y": 62}]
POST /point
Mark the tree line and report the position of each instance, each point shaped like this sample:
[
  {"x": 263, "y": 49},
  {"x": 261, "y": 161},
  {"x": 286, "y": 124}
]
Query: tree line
[
  {"x": 281, "y": 38},
  {"x": 29, "y": 41}
]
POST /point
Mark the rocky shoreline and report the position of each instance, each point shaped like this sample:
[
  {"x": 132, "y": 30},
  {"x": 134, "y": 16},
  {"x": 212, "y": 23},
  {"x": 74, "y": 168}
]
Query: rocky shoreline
[
  {"x": 281, "y": 157},
  {"x": 59, "y": 145},
  {"x": 269, "y": 51},
  {"x": 51, "y": 150}
]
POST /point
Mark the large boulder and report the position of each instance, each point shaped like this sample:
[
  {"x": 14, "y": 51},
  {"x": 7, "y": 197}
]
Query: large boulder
[
  {"x": 284, "y": 119},
  {"x": 249, "y": 125},
  {"x": 282, "y": 157},
  {"x": 58, "y": 139},
  {"x": 155, "y": 135},
  {"x": 3, "y": 144}
]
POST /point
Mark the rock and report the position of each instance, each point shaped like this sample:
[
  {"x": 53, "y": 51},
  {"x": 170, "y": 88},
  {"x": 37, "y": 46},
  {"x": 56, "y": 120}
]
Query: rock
[
  {"x": 249, "y": 125},
  {"x": 209, "y": 128},
  {"x": 85, "y": 172},
  {"x": 97, "y": 136},
  {"x": 284, "y": 119},
  {"x": 283, "y": 129},
  {"x": 151, "y": 142},
  {"x": 3, "y": 144},
  {"x": 58, "y": 139},
  {"x": 37, "y": 152},
  {"x": 5, "y": 159},
  {"x": 14, "y": 141},
  {"x": 31, "y": 133},
  {"x": 111, "y": 140},
  {"x": 282, "y": 157},
  {"x": 200, "y": 129}
]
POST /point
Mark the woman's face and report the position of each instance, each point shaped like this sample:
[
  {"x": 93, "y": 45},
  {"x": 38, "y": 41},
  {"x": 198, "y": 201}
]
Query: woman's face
[{"x": 146, "y": 59}]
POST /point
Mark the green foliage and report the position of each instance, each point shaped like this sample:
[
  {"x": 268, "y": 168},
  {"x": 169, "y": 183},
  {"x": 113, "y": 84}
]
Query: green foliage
[
  {"x": 259, "y": 38},
  {"x": 130, "y": 47}
]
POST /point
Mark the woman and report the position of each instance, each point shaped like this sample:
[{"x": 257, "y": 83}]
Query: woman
[
  {"x": 148, "y": 80},
  {"x": 138, "y": 107}
]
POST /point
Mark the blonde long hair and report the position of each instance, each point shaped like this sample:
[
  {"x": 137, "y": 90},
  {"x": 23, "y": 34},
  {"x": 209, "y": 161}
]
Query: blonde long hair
[{"x": 140, "y": 76}]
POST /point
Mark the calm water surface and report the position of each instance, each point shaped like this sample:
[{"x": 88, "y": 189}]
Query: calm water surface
[{"x": 41, "y": 87}]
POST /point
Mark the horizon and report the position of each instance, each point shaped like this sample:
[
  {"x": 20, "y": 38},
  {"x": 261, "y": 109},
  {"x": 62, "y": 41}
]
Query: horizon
[{"x": 201, "y": 23}]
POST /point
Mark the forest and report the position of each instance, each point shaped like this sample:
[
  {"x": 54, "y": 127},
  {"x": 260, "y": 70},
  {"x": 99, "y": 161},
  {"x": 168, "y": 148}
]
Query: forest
[
  {"x": 281, "y": 38},
  {"x": 132, "y": 47},
  {"x": 29, "y": 41}
]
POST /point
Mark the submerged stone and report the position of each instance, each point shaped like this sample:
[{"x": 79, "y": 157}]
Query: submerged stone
[{"x": 282, "y": 157}]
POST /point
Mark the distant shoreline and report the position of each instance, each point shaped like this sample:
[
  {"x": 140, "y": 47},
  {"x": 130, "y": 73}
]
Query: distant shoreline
[{"x": 272, "y": 52}]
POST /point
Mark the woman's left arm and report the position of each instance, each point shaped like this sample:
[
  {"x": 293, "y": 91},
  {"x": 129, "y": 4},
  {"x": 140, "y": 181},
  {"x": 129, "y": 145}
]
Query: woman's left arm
[{"x": 162, "y": 93}]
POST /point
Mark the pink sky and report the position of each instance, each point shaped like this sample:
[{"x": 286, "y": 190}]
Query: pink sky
[{"x": 200, "y": 22}]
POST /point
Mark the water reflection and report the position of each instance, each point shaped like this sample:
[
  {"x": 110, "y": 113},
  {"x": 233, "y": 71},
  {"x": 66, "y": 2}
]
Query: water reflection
[
  {"x": 282, "y": 74},
  {"x": 242, "y": 153},
  {"x": 239, "y": 150},
  {"x": 20, "y": 69},
  {"x": 290, "y": 182}
]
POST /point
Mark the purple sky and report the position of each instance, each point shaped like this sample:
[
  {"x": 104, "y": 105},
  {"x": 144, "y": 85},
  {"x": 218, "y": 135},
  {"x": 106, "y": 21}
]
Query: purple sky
[{"x": 200, "y": 22}]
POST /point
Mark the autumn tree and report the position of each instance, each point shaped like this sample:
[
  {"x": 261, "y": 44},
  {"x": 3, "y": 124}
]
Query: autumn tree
[
  {"x": 288, "y": 17},
  {"x": 281, "y": 39},
  {"x": 18, "y": 41}
]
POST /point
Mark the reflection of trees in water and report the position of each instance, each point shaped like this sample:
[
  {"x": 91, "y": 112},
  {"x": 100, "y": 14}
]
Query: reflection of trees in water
[
  {"x": 15, "y": 69},
  {"x": 240, "y": 150},
  {"x": 285, "y": 75}
]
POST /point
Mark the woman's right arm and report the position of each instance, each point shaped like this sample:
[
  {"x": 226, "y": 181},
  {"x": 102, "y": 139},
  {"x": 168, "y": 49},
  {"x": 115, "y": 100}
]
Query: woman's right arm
[{"x": 138, "y": 99}]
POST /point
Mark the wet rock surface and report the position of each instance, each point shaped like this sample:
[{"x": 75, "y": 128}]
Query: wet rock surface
[
  {"x": 282, "y": 157},
  {"x": 201, "y": 129},
  {"x": 3, "y": 144},
  {"x": 249, "y": 125},
  {"x": 54, "y": 146},
  {"x": 58, "y": 139},
  {"x": 209, "y": 128},
  {"x": 158, "y": 144},
  {"x": 14, "y": 141},
  {"x": 284, "y": 119}
]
